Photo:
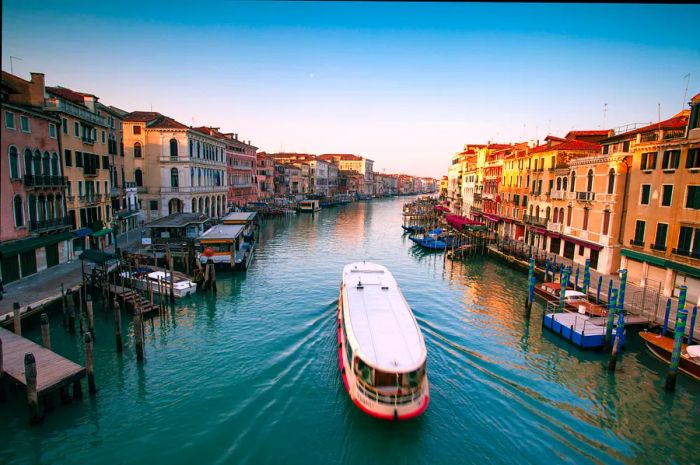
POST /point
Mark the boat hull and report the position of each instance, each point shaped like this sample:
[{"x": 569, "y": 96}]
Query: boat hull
[{"x": 661, "y": 348}]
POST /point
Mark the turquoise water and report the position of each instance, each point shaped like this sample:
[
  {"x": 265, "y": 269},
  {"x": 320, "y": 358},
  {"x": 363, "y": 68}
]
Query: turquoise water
[{"x": 251, "y": 376}]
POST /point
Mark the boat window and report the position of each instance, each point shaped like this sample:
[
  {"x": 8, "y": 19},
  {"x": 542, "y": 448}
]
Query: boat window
[
  {"x": 413, "y": 378},
  {"x": 363, "y": 370},
  {"x": 384, "y": 379}
]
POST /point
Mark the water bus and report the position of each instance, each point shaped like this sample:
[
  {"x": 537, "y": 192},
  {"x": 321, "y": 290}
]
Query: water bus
[
  {"x": 309, "y": 206},
  {"x": 145, "y": 279},
  {"x": 232, "y": 242},
  {"x": 381, "y": 350},
  {"x": 662, "y": 348}
]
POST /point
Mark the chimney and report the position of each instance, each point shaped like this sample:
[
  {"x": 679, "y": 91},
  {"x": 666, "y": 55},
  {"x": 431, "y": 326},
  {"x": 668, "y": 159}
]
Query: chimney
[
  {"x": 236, "y": 136},
  {"x": 37, "y": 90},
  {"x": 90, "y": 102}
]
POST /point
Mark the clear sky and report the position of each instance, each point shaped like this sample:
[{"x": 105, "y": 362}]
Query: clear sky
[{"x": 405, "y": 84}]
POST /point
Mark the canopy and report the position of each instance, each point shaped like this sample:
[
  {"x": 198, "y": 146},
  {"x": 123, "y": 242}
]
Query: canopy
[
  {"x": 82, "y": 232},
  {"x": 441, "y": 208},
  {"x": 102, "y": 232},
  {"x": 17, "y": 247},
  {"x": 458, "y": 222}
]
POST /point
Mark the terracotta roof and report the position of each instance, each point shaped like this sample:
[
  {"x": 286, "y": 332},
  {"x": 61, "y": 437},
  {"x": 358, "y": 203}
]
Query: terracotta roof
[
  {"x": 695, "y": 99},
  {"x": 165, "y": 122},
  {"x": 342, "y": 156},
  {"x": 67, "y": 94},
  {"x": 594, "y": 132},
  {"x": 141, "y": 116},
  {"x": 294, "y": 156},
  {"x": 679, "y": 121},
  {"x": 555, "y": 138},
  {"x": 568, "y": 145},
  {"x": 499, "y": 146}
]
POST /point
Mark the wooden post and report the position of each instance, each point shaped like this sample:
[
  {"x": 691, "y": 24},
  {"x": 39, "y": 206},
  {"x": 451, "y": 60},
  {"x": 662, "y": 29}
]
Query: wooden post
[
  {"x": 45, "y": 334},
  {"x": 213, "y": 278},
  {"x": 118, "y": 325},
  {"x": 89, "y": 363},
  {"x": 612, "y": 307},
  {"x": 172, "y": 282},
  {"x": 678, "y": 333},
  {"x": 138, "y": 334},
  {"x": 17, "y": 318},
  {"x": 32, "y": 394},
  {"x": 90, "y": 317}
]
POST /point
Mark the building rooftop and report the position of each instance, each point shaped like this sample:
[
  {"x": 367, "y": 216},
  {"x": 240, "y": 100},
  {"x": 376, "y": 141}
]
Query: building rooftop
[
  {"x": 679, "y": 121},
  {"x": 68, "y": 94}
]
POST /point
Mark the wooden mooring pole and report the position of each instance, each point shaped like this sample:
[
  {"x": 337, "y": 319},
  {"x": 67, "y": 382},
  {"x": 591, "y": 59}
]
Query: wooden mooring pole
[
  {"x": 17, "y": 319},
  {"x": 90, "y": 317},
  {"x": 32, "y": 394},
  {"x": 138, "y": 334},
  {"x": 89, "y": 363},
  {"x": 118, "y": 325},
  {"x": 45, "y": 333},
  {"x": 678, "y": 333}
]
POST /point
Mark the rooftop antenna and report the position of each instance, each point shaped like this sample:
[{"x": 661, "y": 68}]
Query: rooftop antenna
[
  {"x": 605, "y": 115},
  {"x": 12, "y": 68},
  {"x": 658, "y": 109},
  {"x": 685, "y": 95}
]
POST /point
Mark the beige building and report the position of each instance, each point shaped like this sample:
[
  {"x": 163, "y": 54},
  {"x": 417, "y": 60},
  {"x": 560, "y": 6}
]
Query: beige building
[
  {"x": 661, "y": 246},
  {"x": 176, "y": 168}
]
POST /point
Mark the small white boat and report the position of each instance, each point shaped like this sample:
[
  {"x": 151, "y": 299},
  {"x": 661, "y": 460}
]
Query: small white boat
[
  {"x": 309, "y": 206},
  {"x": 381, "y": 352},
  {"x": 145, "y": 280}
]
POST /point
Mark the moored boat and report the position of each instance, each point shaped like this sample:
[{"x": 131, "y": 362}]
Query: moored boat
[
  {"x": 145, "y": 279},
  {"x": 662, "y": 348},
  {"x": 381, "y": 352},
  {"x": 574, "y": 301},
  {"x": 309, "y": 206}
]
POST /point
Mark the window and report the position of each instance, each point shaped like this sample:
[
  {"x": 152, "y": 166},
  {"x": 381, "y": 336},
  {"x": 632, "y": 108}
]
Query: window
[
  {"x": 174, "y": 178},
  {"x": 137, "y": 149},
  {"x": 589, "y": 186},
  {"x": 671, "y": 160},
  {"x": 173, "y": 148},
  {"x": 645, "y": 193},
  {"x": 569, "y": 211},
  {"x": 573, "y": 181},
  {"x": 524, "y": 200},
  {"x": 64, "y": 125},
  {"x": 13, "y": 154},
  {"x": 80, "y": 188},
  {"x": 688, "y": 242},
  {"x": 76, "y": 129},
  {"x": 78, "y": 159},
  {"x": 24, "y": 123},
  {"x": 69, "y": 189},
  {"x": 52, "y": 131},
  {"x": 9, "y": 120},
  {"x": 693, "y": 198},
  {"x": 138, "y": 178},
  {"x": 46, "y": 163},
  {"x": 639, "y": 228},
  {"x": 648, "y": 161},
  {"x": 660, "y": 241},
  {"x": 581, "y": 249},
  {"x": 153, "y": 205},
  {"x": 18, "y": 207},
  {"x": 586, "y": 212},
  {"x": 137, "y": 129},
  {"x": 55, "y": 171},
  {"x": 626, "y": 146},
  {"x": 611, "y": 181},
  {"x": 67, "y": 156},
  {"x": 606, "y": 222},
  {"x": 667, "y": 195},
  {"x": 27, "y": 161},
  {"x": 105, "y": 162},
  {"x": 693, "y": 158}
]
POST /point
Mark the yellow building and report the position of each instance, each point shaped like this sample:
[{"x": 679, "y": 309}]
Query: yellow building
[{"x": 661, "y": 246}]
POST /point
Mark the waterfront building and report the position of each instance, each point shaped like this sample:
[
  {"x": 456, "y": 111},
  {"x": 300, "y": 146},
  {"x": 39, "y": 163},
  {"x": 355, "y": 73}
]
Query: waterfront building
[
  {"x": 333, "y": 173},
  {"x": 241, "y": 170},
  {"x": 390, "y": 184},
  {"x": 265, "y": 175},
  {"x": 350, "y": 182},
  {"x": 280, "y": 180},
  {"x": 176, "y": 168},
  {"x": 661, "y": 247},
  {"x": 513, "y": 191},
  {"x": 34, "y": 231},
  {"x": 356, "y": 163},
  {"x": 86, "y": 163},
  {"x": 444, "y": 182}
]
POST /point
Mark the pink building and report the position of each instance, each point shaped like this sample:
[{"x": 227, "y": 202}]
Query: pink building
[
  {"x": 266, "y": 175},
  {"x": 34, "y": 231}
]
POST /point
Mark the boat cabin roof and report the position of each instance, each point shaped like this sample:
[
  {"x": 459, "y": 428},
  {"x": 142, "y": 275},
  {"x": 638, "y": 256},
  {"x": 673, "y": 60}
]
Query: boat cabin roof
[
  {"x": 239, "y": 217},
  {"x": 574, "y": 294},
  {"x": 178, "y": 220},
  {"x": 222, "y": 233},
  {"x": 381, "y": 320}
]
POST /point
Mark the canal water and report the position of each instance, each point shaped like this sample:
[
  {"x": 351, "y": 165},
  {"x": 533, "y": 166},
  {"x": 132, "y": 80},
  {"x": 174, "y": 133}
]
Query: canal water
[{"x": 251, "y": 376}]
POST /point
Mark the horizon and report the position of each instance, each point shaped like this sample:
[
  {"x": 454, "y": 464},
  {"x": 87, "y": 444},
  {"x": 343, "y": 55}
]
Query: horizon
[{"x": 312, "y": 77}]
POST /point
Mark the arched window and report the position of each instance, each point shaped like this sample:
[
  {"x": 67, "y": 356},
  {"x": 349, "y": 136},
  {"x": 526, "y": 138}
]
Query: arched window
[
  {"x": 50, "y": 211},
  {"x": 564, "y": 183},
  {"x": 173, "y": 148},
  {"x": 46, "y": 164},
  {"x": 194, "y": 205},
  {"x": 191, "y": 152},
  {"x": 174, "y": 178},
  {"x": 55, "y": 170},
  {"x": 19, "y": 211},
  {"x": 561, "y": 215},
  {"x": 27, "y": 161},
  {"x": 611, "y": 181},
  {"x": 59, "y": 206},
  {"x": 14, "y": 162},
  {"x": 137, "y": 149},
  {"x": 537, "y": 211},
  {"x": 558, "y": 184},
  {"x": 555, "y": 218},
  {"x": 31, "y": 203},
  {"x": 549, "y": 211},
  {"x": 606, "y": 222},
  {"x": 42, "y": 207},
  {"x": 192, "y": 177},
  {"x": 573, "y": 181},
  {"x": 36, "y": 163},
  {"x": 569, "y": 211},
  {"x": 138, "y": 177},
  {"x": 199, "y": 150},
  {"x": 199, "y": 176},
  {"x": 589, "y": 185}
]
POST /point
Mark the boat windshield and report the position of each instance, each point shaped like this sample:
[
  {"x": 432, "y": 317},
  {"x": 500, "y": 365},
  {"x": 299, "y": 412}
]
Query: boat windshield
[{"x": 382, "y": 379}]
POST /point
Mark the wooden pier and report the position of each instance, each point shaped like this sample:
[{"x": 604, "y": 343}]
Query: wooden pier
[{"x": 53, "y": 372}]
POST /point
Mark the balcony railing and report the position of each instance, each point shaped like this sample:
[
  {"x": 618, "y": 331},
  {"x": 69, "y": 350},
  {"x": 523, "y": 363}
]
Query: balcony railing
[
  {"x": 686, "y": 253},
  {"x": 555, "y": 227},
  {"x": 44, "y": 181},
  {"x": 585, "y": 196},
  {"x": 636, "y": 243},
  {"x": 658, "y": 247},
  {"x": 49, "y": 225},
  {"x": 90, "y": 198},
  {"x": 71, "y": 109},
  {"x": 535, "y": 220},
  {"x": 88, "y": 140},
  {"x": 192, "y": 189}
]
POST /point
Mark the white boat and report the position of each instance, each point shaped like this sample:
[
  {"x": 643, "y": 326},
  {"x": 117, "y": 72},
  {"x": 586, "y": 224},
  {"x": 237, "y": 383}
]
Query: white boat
[
  {"x": 309, "y": 206},
  {"x": 232, "y": 242},
  {"x": 145, "y": 280},
  {"x": 381, "y": 350}
]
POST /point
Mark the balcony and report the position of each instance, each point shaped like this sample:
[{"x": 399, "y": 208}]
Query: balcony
[
  {"x": 636, "y": 243},
  {"x": 658, "y": 247},
  {"x": 90, "y": 198},
  {"x": 686, "y": 253},
  {"x": 534, "y": 220},
  {"x": 555, "y": 227},
  {"x": 50, "y": 225},
  {"x": 477, "y": 196},
  {"x": 585, "y": 196},
  {"x": 44, "y": 181},
  {"x": 74, "y": 110},
  {"x": 88, "y": 140},
  {"x": 193, "y": 189}
]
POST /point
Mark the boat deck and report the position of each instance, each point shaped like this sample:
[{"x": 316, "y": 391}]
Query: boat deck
[
  {"x": 53, "y": 371},
  {"x": 586, "y": 333}
]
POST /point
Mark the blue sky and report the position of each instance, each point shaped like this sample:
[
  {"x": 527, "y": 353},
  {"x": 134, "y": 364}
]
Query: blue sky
[{"x": 406, "y": 84}]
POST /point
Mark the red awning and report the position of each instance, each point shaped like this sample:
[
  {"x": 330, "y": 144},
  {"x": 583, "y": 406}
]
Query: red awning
[
  {"x": 492, "y": 217},
  {"x": 441, "y": 208},
  {"x": 590, "y": 245},
  {"x": 553, "y": 234},
  {"x": 459, "y": 222}
]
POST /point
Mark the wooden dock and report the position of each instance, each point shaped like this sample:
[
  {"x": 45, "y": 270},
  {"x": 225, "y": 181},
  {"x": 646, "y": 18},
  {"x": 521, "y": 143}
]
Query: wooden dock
[
  {"x": 53, "y": 371},
  {"x": 128, "y": 297}
]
